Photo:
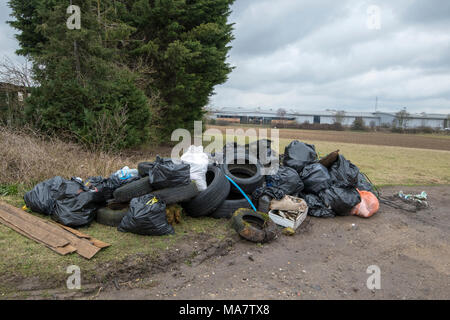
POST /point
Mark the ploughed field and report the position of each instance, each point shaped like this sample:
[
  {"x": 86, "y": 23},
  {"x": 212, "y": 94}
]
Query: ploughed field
[{"x": 420, "y": 141}]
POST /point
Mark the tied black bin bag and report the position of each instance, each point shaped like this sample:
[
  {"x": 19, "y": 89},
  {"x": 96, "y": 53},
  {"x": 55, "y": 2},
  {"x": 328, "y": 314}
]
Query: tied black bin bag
[
  {"x": 315, "y": 178},
  {"x": 76, "y": 210},
  {"x": 340, "y": 200},
  {"x": 76, "y": 205},
  {"x": 287, "y": 180},
  {"x": 344, "y": 173},
  {"x": 147, "y": 216},
  {"x": 68, "y": 202},
  {"x": 42, "y": 197},
  {"x": 297, "y": 155},
  {"x": 167, "y": 174},
  {"x": 316, "y": 208}
]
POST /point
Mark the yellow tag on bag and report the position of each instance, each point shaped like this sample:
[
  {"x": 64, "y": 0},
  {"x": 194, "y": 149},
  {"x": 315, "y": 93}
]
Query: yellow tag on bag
[{"x": 152, "y": 201}]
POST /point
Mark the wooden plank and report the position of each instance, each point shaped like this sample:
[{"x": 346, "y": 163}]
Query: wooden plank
[
  {"x": 95, "y": 242},
  {"x": 86, "y": 249},
  {"x": 59, "y": 238},
  {"x": 51, "y": 227},
  {"x": 66, "y": 250},
  {"x": 76, "y": 232},
  {"x": 63, "y": 252},
  {"x": 98, "y": 243},
  {"x": 34, "y": 230}
]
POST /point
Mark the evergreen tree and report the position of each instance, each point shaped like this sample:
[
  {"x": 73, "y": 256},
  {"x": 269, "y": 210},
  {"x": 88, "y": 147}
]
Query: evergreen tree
[
  {"x": 175, "y": 50},
  {"x": 82, "y": 89},
  {"x": 186, "y": 42}
]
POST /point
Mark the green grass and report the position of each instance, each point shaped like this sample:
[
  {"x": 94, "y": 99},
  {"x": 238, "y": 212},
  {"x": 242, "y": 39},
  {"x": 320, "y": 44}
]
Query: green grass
[{"x": 23, "y": 257}]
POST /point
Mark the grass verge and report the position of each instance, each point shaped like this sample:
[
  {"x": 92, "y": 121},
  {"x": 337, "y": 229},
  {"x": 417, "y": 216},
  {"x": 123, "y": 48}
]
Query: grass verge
[
  {"x": 28, "y": 160},
  {"x": 387, "y": 165},
  {"x": 22, "y": 258}
]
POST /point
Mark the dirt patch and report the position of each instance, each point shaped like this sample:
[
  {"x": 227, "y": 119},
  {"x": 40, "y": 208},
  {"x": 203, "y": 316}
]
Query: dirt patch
[
  {"x": 369, "y": 138},
  {"x": 326, "y": 259},
  {"x": 193, "y": 250}
]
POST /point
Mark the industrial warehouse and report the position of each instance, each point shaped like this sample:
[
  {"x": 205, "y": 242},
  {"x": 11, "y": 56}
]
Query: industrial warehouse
[{"x": 370, "y": 119}]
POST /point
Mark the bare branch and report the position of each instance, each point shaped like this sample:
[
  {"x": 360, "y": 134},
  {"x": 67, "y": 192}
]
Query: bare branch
[{"x": 17, "y": 74}]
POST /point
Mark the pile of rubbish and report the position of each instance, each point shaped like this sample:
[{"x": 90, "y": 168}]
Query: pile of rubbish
[{"x": 229, "y": 185}]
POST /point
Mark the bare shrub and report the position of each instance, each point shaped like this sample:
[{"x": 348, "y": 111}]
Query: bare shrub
[
  {"x": 27, "y": 158},
  {"x": 16, "y": 82},
  {"x": 16, "y": 74}
]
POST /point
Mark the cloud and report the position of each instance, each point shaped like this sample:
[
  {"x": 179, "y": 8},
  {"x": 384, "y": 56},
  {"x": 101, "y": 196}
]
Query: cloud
[
  {"x": 319, "y": 54},
  {"x": 313, "y": 55},
  {"x": 8, "y": 42}
]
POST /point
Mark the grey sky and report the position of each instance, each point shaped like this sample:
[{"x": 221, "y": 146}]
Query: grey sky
[
  {"x": 319, "y": 54},
  {"x": 314, "y": 55}
]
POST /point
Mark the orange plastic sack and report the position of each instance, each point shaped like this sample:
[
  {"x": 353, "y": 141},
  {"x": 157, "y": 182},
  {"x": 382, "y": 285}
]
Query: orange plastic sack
[{"x": 368, "y": 206}]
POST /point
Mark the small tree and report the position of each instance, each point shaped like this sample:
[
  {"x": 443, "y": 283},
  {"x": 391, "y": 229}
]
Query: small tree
[
  {"x": 339, "y": 117},
  {"x": 402, "y": 118},
  {"x": 282, "y": 114},
  {"x": 358, "y": 124}
]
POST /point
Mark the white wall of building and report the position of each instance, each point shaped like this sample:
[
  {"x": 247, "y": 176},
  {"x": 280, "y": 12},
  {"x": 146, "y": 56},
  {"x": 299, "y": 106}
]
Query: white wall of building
[{"x": 379, "y": 118}]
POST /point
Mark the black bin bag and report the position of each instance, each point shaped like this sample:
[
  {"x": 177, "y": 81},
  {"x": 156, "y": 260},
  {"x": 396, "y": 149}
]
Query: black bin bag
[
  {"x": 364, "y": 184},
  {"x": 287, "y": 180},
  {"x": 344, "y": 173},
  {"x": 42, "y": 197},
  {"x": 340, "y": 200},
  {"x": 76, "y": 210},
  {"x": 316, "y": 208},
  {"x": 146, "y": 216},
  {"x": 315, "y": 178},
  {"x": 167, "y": 174},
  {"x": 297, "y": 155},
  {"x": 106, "y": 186}
]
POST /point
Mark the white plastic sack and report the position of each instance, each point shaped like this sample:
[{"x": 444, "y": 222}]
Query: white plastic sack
[{"x": 198, "y": 160}]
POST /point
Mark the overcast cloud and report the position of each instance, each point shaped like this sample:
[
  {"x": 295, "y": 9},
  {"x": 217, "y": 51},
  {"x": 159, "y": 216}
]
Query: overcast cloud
[
  {"x": 315, "y": 55},
  {"x": 320, "y": 54}
]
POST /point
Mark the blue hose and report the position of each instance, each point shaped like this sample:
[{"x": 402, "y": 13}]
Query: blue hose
[{"x": 239, "y": 188}]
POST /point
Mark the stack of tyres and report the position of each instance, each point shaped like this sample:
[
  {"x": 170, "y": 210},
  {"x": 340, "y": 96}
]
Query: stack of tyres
[{"x": 247, "y": 176}]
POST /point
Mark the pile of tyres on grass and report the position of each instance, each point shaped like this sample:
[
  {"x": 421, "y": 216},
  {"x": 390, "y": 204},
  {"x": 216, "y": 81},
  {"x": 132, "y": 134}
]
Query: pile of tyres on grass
[{"x": 228, "y": 185}]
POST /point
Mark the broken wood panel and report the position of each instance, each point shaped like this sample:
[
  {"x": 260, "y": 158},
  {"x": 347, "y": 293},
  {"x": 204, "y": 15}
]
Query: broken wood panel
[
  {"x": 33, "y": 230},
  {"x": 87, "y": 247},
  {"x": 61, "y": 250}
]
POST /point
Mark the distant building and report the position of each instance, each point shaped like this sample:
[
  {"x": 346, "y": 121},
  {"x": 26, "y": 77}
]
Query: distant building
[
  {"x": 371, "y": 119},
  {"x": 12, "y": 99},
  {"x": 10, "y": 93}
]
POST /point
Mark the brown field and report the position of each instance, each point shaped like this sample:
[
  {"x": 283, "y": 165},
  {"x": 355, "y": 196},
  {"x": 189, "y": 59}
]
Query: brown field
[{"x": 435, "y": 142}]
